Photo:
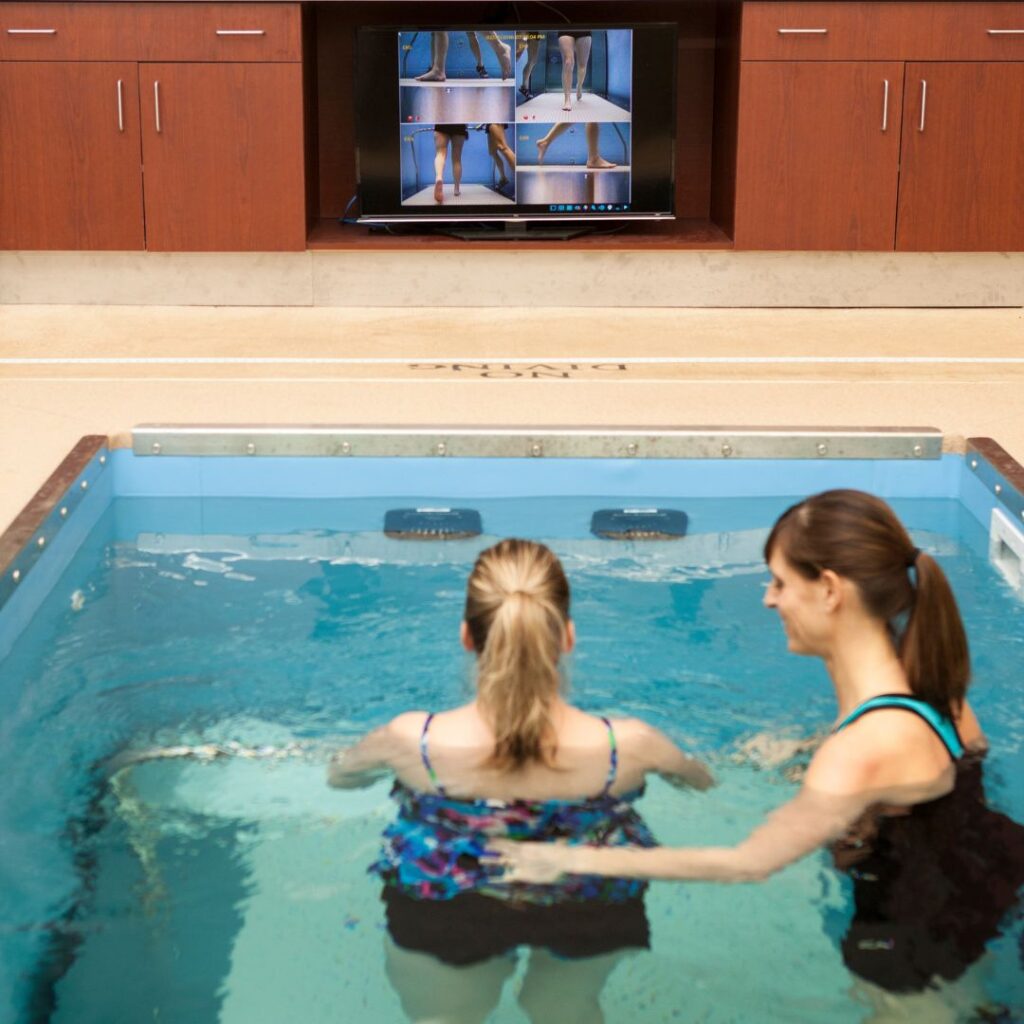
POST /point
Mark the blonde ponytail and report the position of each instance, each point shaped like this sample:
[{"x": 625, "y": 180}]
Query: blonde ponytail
[{"x": 517, "y": 610}]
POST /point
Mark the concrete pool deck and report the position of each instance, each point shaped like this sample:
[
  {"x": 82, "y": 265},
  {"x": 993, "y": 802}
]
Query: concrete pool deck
[{"x": 66, "y": 371}]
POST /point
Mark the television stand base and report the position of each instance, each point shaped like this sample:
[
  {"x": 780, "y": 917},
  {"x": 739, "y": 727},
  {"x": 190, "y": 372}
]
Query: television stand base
[{"x": 515, "y": 231}]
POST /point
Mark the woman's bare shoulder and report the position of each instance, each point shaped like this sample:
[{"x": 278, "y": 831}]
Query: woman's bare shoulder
[
  {"x": 407, "y": 722},
  {"x": 643, "y": 742},
  {"x": 404, "y": 729},
  {"x": 844, "y": 763},
  {"x": 884, "y": 749},
  {"x": 633, "y": 731}
]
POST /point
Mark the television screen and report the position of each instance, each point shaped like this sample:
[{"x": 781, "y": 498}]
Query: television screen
[{"x": 511, "y": 123}]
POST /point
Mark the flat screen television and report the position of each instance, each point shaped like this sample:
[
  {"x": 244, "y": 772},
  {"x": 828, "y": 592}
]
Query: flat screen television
[{"x": 521, "y": 123}]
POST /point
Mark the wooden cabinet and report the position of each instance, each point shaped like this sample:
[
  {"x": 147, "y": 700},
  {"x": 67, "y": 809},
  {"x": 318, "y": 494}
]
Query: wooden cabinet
[
  {"x": 818, "y": 159},
  {"x": 223, "y": 155},
  {"x": 221, "y": 32},
  {"x": 70, "y": 160},
  {"x": 914, "y": 152},
  {"x": 205, "y": 154},
  {"x": 201, "y": 126},
  {"x": 816, "y": 31},
  {"x": 887, "y": 30},
  {"x": 68, "y": 31},
  {"x": 962, "y": 182}
]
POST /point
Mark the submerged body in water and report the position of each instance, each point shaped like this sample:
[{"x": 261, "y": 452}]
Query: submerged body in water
[
  {"x": 934, "y": 869},
  {"x": 516, "y": 762},
  {"x": 932, "y": 885}
]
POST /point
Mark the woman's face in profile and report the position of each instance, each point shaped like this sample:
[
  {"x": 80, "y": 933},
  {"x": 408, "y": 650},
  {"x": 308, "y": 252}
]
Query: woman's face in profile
[{"x": 801, "y": 605}]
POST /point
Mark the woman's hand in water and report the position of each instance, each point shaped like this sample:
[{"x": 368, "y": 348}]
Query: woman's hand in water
[
  {"x": 342, "y": 776},
  {"x": 766, "y": 750},
  {"x": 536, "y": 863}
]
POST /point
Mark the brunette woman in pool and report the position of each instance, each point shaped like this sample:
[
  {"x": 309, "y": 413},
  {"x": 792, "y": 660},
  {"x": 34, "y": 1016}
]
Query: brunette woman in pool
[
  {"x": 517, "y": 760},
  {"x": 895, "y": 789}
]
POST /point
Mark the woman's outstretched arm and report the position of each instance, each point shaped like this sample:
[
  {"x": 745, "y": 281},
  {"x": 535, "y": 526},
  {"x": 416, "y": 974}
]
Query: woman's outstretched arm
[
  {"x": 792, "y": 831},
  {"x": 375, "y": 755},
  {"x": 842, "y": 785},
  {"x": 662, "y": 756},
  {"x": 361, "y": 765}
]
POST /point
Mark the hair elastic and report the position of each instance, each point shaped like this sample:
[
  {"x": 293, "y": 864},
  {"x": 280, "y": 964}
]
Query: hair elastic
[{"x": 912, "y": 558}]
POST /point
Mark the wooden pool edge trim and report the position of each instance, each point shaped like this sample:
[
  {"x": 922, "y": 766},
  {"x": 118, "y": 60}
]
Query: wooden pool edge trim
[
  {"x": 26, "y": 525},
  {"x": 1000, "y": 473}
]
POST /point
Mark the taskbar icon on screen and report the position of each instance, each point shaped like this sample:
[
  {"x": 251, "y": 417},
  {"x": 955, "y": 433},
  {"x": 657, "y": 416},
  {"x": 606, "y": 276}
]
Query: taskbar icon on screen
[{"x": 588, "y": 207}]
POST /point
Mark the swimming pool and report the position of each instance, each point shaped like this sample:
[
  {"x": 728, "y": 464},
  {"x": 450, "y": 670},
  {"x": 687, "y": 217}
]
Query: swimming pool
[{"x": 189, "y": 599}]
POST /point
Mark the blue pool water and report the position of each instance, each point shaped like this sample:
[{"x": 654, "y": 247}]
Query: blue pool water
[{"x": 236, "y": 890}]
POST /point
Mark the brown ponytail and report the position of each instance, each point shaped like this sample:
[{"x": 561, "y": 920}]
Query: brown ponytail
[
  {"x": 517, "y": 609},
  {"x": 858, "y": 537},
  {"x": 933, "y": 646}
]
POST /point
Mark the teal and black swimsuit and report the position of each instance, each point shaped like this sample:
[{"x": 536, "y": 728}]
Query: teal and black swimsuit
[
  {"x": 931, "y": 887},
  {"x": 943, "y": 726},
  {"x": 443, "y": 898}
]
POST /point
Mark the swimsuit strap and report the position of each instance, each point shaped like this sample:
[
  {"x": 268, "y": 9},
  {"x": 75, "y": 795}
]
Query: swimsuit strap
[
  {"x": 944, "y": 728},
  {"x": 613, "y": 758},
  {"x": 426, "y": 757}
]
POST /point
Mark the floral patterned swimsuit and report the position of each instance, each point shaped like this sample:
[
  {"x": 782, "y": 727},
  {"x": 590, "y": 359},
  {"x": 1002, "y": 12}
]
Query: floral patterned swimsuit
[
  {"x": 432, "y": 869},
  {"x": 433, "y": 849}
]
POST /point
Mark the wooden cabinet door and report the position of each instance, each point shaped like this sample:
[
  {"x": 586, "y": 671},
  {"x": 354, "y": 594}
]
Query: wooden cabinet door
[
  {"x": 818, "y": 154},
  {"x": 223, "y": 154},
  {"x": 70, "y": 160},
  {"x": 962, "y": 179}
]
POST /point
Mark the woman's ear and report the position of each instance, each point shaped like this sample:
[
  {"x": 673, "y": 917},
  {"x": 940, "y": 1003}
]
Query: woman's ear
[
  {"x": 465, "y": 637},
  {"x": 570, "y": 637},
  {"x": 832, "y": 589}
]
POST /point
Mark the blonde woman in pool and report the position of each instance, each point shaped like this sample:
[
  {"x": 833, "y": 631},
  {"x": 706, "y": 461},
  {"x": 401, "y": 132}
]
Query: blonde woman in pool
[{"x": 517, "y": 760}]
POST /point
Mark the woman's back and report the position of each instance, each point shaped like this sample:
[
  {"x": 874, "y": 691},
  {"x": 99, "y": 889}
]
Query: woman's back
[{"x": 589, "y": 756}]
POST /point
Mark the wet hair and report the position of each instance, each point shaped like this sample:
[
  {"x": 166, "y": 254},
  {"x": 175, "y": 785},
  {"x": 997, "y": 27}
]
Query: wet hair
[
  {"x": 859, "y": 538},
  {"x": 517, "y": 610}
]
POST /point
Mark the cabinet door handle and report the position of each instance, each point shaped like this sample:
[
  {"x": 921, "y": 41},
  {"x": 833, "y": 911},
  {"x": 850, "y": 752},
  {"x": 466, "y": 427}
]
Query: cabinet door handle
[
  {"x": 240, "y": 32},
  {"x": 885, "y": 106},
  {"x": 120, "y": 105},
  {"x": 156, "y": 105},
  {"x": 924, "y": 104},
  {"x": 31, "y": 31},
  {"x": 1006, "y": 31},
  {"x": 803, "y": 31}
]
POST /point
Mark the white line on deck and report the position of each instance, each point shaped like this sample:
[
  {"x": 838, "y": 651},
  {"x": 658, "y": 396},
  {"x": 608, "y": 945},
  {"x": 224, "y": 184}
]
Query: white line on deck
[{"x": 424, "y": 361}]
